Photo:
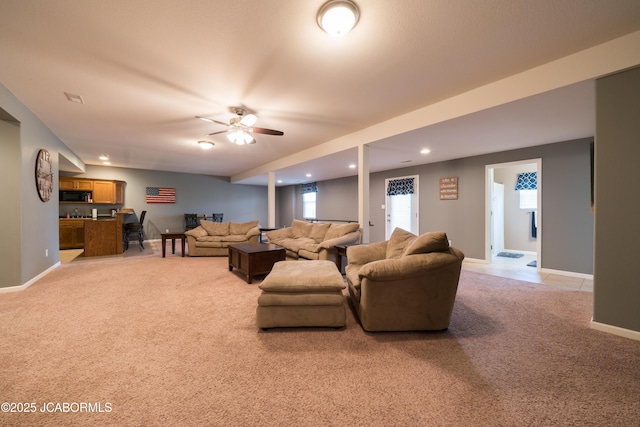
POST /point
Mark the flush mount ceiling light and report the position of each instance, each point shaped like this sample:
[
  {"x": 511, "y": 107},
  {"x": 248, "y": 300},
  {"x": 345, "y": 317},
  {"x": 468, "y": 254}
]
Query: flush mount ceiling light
[
  {"x": 338, "y": 17},
  {"x": 205, "y": 145},
  {"x": 104, "y": 157}
]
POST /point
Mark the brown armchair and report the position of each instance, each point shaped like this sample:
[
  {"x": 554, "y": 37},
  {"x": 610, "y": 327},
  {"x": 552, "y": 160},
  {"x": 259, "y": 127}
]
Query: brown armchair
[{"x": 406, "y": 283}]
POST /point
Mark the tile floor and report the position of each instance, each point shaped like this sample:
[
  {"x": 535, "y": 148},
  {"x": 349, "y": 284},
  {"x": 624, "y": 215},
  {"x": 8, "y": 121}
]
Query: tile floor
[{"x": 516, "y": 268}]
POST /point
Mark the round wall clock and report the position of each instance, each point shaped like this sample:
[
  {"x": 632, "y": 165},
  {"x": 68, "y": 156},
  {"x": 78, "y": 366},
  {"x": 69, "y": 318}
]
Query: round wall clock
[{"x": 44, "y": 175}]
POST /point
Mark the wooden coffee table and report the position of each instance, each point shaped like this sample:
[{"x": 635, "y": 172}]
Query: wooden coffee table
[{"x": 255, "y": 258}]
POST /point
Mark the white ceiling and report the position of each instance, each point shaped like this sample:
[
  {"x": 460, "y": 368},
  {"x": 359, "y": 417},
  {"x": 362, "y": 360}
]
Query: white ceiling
[{"x": 146, "y": 68}]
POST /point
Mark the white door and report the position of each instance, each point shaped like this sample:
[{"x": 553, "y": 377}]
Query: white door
[
  {"x": 401, "y": 206},
  {"x": 497, "y": 218}
]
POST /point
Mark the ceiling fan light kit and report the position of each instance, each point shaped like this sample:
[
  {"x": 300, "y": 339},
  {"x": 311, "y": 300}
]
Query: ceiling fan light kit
[
  {"x": 338, "y": 17},
  {"x": 240, "y": 128}
]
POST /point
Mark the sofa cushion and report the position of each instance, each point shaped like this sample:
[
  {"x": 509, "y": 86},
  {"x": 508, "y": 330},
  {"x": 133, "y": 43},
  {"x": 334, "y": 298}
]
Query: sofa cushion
[
  {"x": 339, "y": 230},
  {"x": 318, "y": 231},
  {"x": 301, "y": 228},
  {"x": 303, "y": 276},
  {"x": 235, "y": 238},
  {"x": 215, "y": 228},
  {"x": 242, "y": 228},
  {"x": 294, "y": 245},
  {"x": 435, "y": 241},
  {"x": 400, "y": 239}
]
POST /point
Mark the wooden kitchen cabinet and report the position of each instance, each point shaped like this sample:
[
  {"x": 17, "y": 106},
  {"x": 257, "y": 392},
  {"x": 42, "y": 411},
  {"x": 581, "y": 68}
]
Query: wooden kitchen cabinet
[
  {"x": 104, "y": 192},
  {"x": 119, "y": 192},
  {"x": 67, "y": 183},
  {"x": 71, "y": 233}
]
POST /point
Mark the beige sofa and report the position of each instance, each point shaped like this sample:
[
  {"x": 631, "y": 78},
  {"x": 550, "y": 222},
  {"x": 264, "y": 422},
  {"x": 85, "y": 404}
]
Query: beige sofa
[
  {"x": 406, "y": 283},
  {"x": 213, "y": 238},
  {"x": 314, "y": 241}
]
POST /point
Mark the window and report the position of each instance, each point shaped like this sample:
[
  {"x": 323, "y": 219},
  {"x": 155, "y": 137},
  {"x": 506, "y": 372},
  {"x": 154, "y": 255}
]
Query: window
[
  {"x": 309, "y": 193},
  {"x": 402, "y": 204}
]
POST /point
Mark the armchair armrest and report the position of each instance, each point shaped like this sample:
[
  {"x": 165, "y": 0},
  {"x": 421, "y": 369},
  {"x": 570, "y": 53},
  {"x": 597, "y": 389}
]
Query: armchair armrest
[
  {"x": 364, "y": 254},
  {"x": 408, "y": 266}
]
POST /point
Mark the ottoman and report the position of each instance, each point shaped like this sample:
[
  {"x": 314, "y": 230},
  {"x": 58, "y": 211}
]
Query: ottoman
[{"x": 302, "y": 293}]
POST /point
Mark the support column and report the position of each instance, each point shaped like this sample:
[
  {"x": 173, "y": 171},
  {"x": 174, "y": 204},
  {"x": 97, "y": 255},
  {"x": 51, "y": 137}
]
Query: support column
[
  {"x": 363, "y": 191},
  {"x": 271, "y": 200}
]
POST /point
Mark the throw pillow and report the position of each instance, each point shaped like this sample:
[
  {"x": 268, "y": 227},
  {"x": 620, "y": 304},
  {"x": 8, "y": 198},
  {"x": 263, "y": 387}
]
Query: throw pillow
[
  {"x": 339, "y": 230},
  {"x": 242, "y": 228},
  {"x": 215, "y": 228},
  {"x": 435, "y": 241},
  {"x": 301, "y": 228},
  {"x": 318, "y": 231},
  {"x": 399, "y": 240}
]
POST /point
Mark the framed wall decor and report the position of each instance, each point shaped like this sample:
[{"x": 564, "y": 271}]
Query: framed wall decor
[
  {"x": 449, "y": 188},
  {"x": 44, "y": 175}
]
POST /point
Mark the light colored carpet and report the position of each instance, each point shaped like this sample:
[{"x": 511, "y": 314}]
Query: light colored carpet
[{"x": 173, "y": 341}]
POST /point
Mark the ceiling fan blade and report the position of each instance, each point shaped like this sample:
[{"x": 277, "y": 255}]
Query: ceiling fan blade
[
  {"x": 216, "y": 133},
  {"x": 211, "y": 120},
  {"x": 267, "y": 131},
  {"x": 248, "y": 120}
]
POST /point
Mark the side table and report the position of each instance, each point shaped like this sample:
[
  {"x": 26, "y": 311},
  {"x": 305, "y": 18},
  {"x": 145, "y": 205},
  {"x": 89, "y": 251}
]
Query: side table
[
  {"x": 341, "y": 251},
  {"x": 172, "y": 237}
]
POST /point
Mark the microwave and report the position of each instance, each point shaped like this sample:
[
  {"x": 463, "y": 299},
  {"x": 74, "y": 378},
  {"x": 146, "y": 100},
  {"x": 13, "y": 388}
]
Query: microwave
[{"x": 74, "y": 196}]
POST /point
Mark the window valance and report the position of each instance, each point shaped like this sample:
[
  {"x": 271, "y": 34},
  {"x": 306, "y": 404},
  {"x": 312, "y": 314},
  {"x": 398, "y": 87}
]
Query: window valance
[
  {"x": 527, "y": 181},
  {"x": 310, "y": 187},
  {"x": 397, "y": 187}
]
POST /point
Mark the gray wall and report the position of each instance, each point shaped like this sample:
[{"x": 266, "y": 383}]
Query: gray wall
[
  {"x": 35, "y": 221},
  {"x": 10, "y": 166},
  {"x": 567, "y": 243},
  {"x": 617, "y": 150},
  {"x": 199, "y": 194}
]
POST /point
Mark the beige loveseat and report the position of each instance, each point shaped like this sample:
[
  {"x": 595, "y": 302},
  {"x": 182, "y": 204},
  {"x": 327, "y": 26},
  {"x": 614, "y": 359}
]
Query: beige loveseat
[
  {"x": 313, "y": 241},
  {"x": 406, "y": 283},
  {"x": 213, "y": 238}
]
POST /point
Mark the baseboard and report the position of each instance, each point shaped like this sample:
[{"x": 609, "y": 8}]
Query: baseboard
[
  {"x": 567, "y": 273},
  {"x": 30, "y": 282},
  {"x": 475, "y": 260},
  {"x": 615, "y": 330}
]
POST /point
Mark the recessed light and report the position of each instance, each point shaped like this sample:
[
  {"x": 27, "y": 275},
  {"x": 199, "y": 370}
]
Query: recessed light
[
  {"x": 308, "y": 175},
  {"x": 279, "y": 181},
  {"x": 425, "y": 151},
  {"x": 104, "y": 157},
  {"x": 352, "y": 166},
  {"x": 206, "y": 145}
]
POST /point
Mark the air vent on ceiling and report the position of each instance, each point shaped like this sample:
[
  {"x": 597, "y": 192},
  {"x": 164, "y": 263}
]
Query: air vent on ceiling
[{"x": 74, "y": 98}]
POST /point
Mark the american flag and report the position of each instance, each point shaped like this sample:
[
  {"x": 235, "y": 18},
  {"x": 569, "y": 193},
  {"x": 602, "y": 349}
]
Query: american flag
[{"x": 161, "y": 195}]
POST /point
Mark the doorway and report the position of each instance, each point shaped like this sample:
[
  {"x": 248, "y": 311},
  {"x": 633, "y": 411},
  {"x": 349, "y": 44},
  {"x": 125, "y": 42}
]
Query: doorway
[
  {"x": 401, "y": 204},
  {"x": 514, "y": 213}
]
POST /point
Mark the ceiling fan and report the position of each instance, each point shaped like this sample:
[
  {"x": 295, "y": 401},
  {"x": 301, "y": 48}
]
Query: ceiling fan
[{"x": 240, "y": 128}]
